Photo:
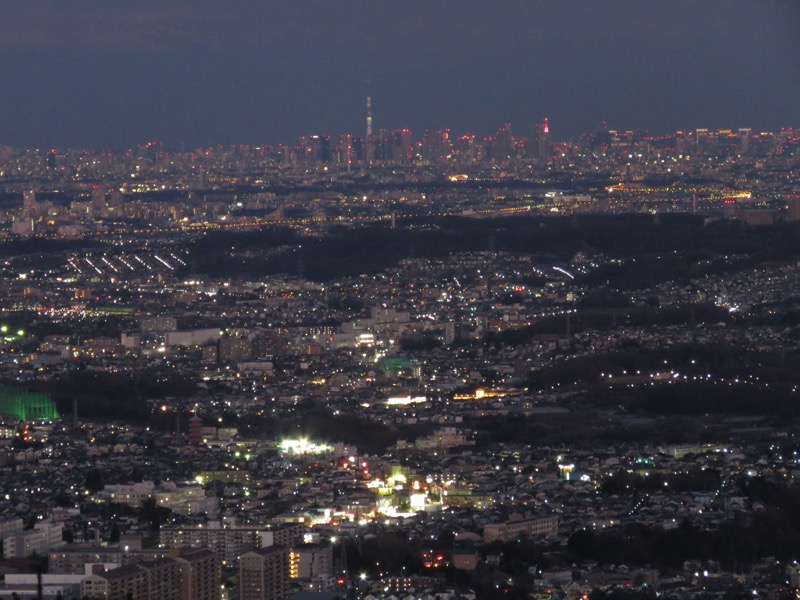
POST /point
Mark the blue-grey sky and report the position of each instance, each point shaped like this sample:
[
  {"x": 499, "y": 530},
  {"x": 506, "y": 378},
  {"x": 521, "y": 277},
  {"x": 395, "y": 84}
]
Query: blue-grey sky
[{"x": 111, "y": 74}]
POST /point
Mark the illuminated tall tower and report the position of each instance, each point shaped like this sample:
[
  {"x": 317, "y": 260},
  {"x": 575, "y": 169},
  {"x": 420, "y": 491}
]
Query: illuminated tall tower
[
  {"x": 369, "y": 117},
  {"x": 543, "y": 139},
  {"x": 369, "y": 140}
]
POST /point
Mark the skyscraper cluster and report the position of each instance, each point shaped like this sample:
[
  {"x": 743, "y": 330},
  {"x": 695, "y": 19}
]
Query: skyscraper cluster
[{"x": 402, "y": 147}]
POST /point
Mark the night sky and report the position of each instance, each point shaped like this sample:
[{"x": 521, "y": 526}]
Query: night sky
[{"x": 111, "y": 74}]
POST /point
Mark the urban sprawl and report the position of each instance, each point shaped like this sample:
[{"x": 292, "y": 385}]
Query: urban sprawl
[{"x": 402, "y": 367}]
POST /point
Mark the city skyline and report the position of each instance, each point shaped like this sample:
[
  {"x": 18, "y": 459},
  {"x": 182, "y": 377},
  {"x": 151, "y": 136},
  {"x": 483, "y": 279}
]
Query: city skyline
[
  {"x": 111, "y": 77},
  {"x": 525, "y": 133},
  {"x": 452, "y": 300}
]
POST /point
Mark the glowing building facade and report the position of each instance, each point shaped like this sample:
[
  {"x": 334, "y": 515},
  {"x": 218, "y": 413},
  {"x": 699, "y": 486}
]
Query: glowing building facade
[{"x": 18, "y": 403}]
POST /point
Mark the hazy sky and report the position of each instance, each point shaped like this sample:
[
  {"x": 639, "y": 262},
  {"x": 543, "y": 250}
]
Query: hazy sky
[{"x": 108, "y": 73}]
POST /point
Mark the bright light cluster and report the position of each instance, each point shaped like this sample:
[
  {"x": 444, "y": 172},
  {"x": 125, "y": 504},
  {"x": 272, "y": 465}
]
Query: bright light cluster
[{"x": 304, "y": 446}]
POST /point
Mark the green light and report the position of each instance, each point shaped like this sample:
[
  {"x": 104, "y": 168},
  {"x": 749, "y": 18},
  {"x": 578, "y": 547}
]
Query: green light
[
  {"x": 20, "y": 332},
  {"x": 4, "y": 328},
  {"x": 21, "y": 404}
]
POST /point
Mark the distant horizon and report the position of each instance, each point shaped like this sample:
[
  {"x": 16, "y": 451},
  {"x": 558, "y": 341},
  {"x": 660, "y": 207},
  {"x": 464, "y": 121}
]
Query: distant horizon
[
  {"x": 182, "y": 146},
  {"x": 104, "y": 75}
]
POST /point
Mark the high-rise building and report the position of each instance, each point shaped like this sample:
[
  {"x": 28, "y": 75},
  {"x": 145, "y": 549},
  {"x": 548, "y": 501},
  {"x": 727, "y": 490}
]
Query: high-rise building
[
  {"x": 158, "y": 324},
  {"x": 701, "y": 134},
  {"x": 359, "y": 154},
  {"x": 267, "y": 344},
  {"x": 315, "y": 149},
  {"x": 794, "y": 208},
  {"x": 282, "y": 534},
  {"x": 466, "y": 148},
  {"x": 194, "y": 575},
  {"x": 157, "y": 579},
  {"x": 369, "y": 141},
  {"x": 264, "y": 574},
  {"x": 707, "y": 141},
  {"x": 369, "y": 117},
  {"x": 681, "y": 143},
  {"x": 311, "y": 560},
  {"x": 436, "y": 145},
  {"x": 37, "y": 541},
  {"x": 73, "y": 560},
  {"x": 402, "y": 146},
  {"x": 543, "y": 146},
  {"x": 381, "y": 146},
  {"x": 201, "y": 573},
  {"x": 164, "y": 579},
  {"x": 346, "y": 154},
  {"x": 234, "y": 349},
  {"x": 98, "y": 202},
  {"x": 116, "y": 201},
  {"x": 29, "y": 205},
  {"x": 504, "y": 144},
  {"x": 226, "y": 543},
  {"x": 744, "y": 140}
]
